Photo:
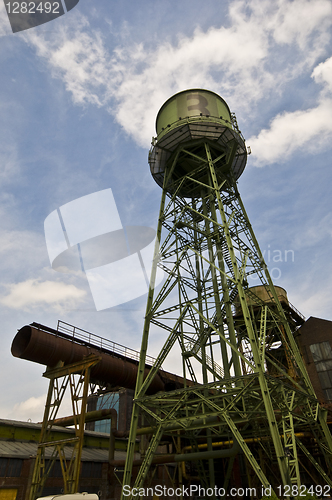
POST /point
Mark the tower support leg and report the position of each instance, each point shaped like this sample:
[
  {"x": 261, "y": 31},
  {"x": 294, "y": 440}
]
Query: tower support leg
[{"x": 75, "y": 376}]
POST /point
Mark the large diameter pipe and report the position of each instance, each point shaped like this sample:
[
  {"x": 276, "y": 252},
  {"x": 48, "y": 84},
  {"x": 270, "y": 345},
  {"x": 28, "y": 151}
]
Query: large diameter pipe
[
  {"x": 44, "y": 348},
  {"x": 91, "y": 416},
  {"x": 186, "y": 457}
]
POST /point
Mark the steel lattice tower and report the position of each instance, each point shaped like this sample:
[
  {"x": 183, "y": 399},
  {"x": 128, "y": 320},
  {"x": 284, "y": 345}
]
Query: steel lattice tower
[{"x": 251, "y": 389}]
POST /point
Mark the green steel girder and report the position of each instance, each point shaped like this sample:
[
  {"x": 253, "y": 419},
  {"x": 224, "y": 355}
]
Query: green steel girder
[
  {"x": 76, "y": 377},
  {"x": 251, "y": 368},
  {"x": 219, "y": 402}
]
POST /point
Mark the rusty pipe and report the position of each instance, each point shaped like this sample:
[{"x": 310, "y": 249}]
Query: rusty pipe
[
  {"x": 94, "y": 416},
  {"x": 186, "y": 457},
  {"x": 48, "y": 349},
  {"x": 91, "y": 416}
]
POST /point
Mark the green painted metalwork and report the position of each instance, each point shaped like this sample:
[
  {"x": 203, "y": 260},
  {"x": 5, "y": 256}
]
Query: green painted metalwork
[
  {"x": 76, "y": 377},
  {"x": 249, "y": 380}
]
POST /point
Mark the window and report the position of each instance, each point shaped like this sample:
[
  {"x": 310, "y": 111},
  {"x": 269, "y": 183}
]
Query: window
[
  {"x": 10, "y": 467},
  {"x": 91, "y": 469},
  {"x": 56, "y": 470},
  {"x": 108, "y": 400},
  {"x": 322, "y": 356},
  {"x": 3, "y": 466}
]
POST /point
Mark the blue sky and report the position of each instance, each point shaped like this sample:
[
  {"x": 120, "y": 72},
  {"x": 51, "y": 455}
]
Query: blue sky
[{"x": 79, "y": 97}]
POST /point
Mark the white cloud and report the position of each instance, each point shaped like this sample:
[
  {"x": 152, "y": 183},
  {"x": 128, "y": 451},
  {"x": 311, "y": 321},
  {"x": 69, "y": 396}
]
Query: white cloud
[
  {"x": 316, "y": 302},
  {"x": 323, "y": 74},
  {"x": 230, "y": 60},
  {"x": 243, "y": 61},
  {"x": 75, "y": 56},
  {"x": 33, "y": 293},
  {"x": 235, "y": 52},
  {"x": 30, "y": 409},
  {"x": 289, "y": 132},
  {"x": 296, "y": 21},
  {"x": 33, "y": 409}
]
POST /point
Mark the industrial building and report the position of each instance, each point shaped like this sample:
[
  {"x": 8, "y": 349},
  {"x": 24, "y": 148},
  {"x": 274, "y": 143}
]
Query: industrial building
[
  {"x": 18, "y": 449},
  {"x": 315, "y": 340}
]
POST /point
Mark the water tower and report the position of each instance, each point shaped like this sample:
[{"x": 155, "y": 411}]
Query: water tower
[{"x": 247, "y": 396}]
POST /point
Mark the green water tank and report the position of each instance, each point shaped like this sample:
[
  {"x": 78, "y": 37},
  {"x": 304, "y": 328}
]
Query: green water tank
[
  {"x": 186, "y": 122},
  {"x": 189, "y": 104}
]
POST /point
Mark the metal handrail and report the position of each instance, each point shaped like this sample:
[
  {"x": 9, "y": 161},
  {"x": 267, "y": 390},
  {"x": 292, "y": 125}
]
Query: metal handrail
[
  {"x": 296, "y": 310},
  {"x": 194, "y": 119},
  {"x": 79, "y": 334}
]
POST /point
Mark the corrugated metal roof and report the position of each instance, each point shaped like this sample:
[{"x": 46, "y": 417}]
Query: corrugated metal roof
[{"x": 22, "y": 449}]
